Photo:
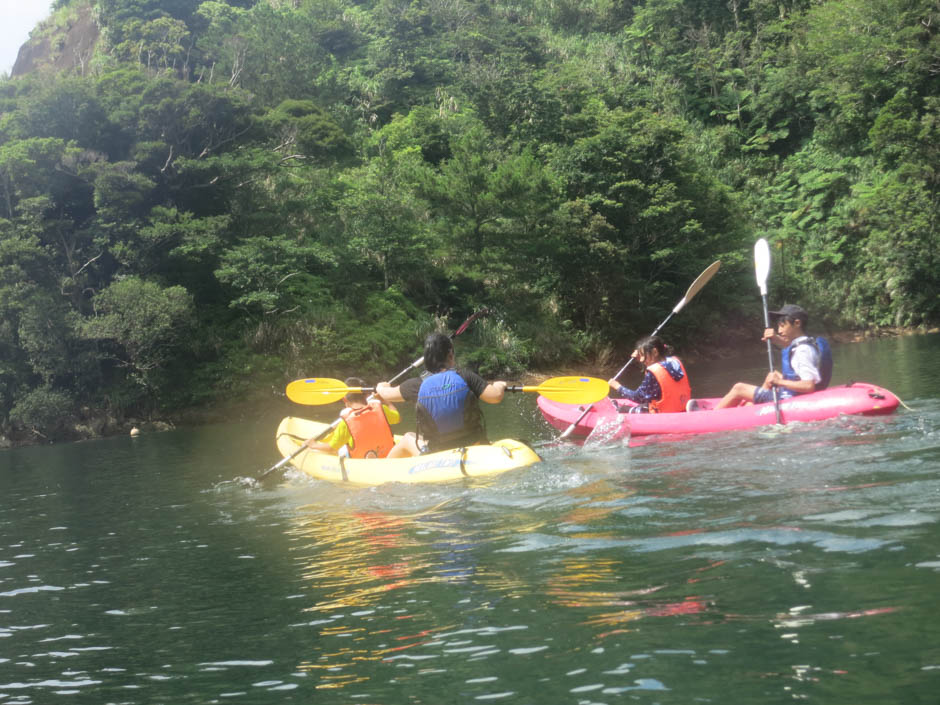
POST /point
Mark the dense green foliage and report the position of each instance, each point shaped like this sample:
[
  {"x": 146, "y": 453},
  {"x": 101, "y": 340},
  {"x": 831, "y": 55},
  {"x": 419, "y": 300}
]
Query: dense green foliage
[{"x": 231, "y": 194}]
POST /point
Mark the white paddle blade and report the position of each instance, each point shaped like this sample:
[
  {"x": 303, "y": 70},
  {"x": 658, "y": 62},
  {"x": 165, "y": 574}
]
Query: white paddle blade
[
  {"x": 697, "y": 285},
  {"x": 762, "y": 264}
]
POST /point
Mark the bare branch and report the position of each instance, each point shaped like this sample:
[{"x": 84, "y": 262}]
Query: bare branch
[
  {"x": 169, "y": 159},
  {"x": 285, "y": 278},
  {"x": 87, "y": 263}
]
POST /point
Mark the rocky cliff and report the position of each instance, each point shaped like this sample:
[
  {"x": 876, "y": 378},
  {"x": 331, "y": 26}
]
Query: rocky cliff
[{"x": 63, "y": 43}]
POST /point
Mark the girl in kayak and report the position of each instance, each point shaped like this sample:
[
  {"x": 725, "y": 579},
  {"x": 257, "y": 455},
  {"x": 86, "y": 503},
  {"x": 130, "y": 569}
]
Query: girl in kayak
[{"x": 665, "y": 386}]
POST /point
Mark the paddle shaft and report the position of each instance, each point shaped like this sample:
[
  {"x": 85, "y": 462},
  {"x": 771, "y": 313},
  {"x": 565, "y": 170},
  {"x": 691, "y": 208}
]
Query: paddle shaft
[
  {"x": 587, "y": 410},
  {"x": 762, "y": 271},
  {"x": 284, "y": 461},
  {"x": 654, "y": 333},
  {"x": 696, "y": 286},
  {"x": 420, "y": 361},
  {"x": 770, "y": 359}
]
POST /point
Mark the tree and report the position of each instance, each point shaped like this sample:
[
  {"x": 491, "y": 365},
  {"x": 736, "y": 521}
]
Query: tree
[
  {"x": 161, "y": 44},
  {"x": 663, "y": 216},
  {"x": 462, "y": 189},
  {"x": 385, "y": 222},
  {"x": 269, "y": 276},
  {"x": 27, "y": 169},
  {"x": 859, "y": 53},
  {"x": 305, "y": 131},
  {"x": 140, "y": 325}
]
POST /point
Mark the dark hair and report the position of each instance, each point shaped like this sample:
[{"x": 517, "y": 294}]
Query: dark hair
[
  {"x": 355, "y": 397},
  {"x": 793, "y": 319},
  {"x": 437, "y": 347},
  {"x": 654, "y": 342}
]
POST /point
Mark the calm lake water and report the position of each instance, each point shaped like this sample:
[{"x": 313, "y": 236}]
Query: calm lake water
[{"x": 749, "y": 567}]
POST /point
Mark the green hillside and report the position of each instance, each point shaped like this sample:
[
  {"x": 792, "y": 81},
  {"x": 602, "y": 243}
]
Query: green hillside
[{"x": 203, "y": 200}]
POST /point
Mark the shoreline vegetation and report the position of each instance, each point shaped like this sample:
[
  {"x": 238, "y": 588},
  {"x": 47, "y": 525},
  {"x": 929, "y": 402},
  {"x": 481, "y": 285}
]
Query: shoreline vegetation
[
  {"x": 102, "y": 427},
  {"x": 845, "y": 337},
  {"x": 201, "y": 201}
]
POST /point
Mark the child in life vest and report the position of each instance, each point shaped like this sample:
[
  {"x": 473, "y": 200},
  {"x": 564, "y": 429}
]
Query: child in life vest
[
  {"x": 364, "y": 429},
  {"x": 806, "y": 362},
  {"x": 665, "y": 386}
]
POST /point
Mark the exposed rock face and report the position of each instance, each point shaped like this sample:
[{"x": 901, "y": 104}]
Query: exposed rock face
[{"x": 60, "y": 52}]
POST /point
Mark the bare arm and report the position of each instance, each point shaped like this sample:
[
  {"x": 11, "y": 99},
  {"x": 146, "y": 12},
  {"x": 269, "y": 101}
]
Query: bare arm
[
  {"x": 493, "y": 394},
  {"x": 320, "y": 445},
  {"x": 387, "y": 393}
]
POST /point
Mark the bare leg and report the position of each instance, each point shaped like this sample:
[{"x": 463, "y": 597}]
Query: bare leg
[
  {"x": 740, "y": 392},
  {"x": 406, "y": 447}
]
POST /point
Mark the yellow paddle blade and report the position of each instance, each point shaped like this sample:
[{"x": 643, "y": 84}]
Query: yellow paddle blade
[
  {"x": 566, "y": 390},
  {"x": 569, "y": 390},
  {"x": 319, "y": 390}
]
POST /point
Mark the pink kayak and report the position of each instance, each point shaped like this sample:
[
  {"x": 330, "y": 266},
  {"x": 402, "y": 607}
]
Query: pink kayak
[{"x": 855, "y": 398}]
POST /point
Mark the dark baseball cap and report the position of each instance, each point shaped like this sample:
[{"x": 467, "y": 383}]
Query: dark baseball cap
[{"x": 791, "y": 311}]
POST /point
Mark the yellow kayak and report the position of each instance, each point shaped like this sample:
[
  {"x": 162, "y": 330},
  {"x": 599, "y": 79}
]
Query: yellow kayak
[{"x": 443, "y": 466}]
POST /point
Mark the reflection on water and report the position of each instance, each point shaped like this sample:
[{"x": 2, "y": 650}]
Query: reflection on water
[
  {"x": 777, "y": 565},
  {"x": 362, "y": 570},
  {"x": 572, "y": 588},
  {"x": 356, "y": 557}
]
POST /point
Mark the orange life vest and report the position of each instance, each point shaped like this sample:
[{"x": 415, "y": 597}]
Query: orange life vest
[
  {"x": 675, "y": 394},
  {"x": 372, "y": 436}
]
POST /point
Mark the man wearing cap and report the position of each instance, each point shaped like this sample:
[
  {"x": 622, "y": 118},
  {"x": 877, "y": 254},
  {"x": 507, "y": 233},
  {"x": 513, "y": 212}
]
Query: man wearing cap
[{"x": 806, "y": 365}]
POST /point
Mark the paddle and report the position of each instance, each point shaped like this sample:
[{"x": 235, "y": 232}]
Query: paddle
[
  {"x": 696, "y": 286},
  {"x": 567, "y": 390},
  {"x": 284, "y": 461},
  {"x": 321, "y": 390},
  {"x": 762, "y": 269},
  {"x": 329, "y": 429}
]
